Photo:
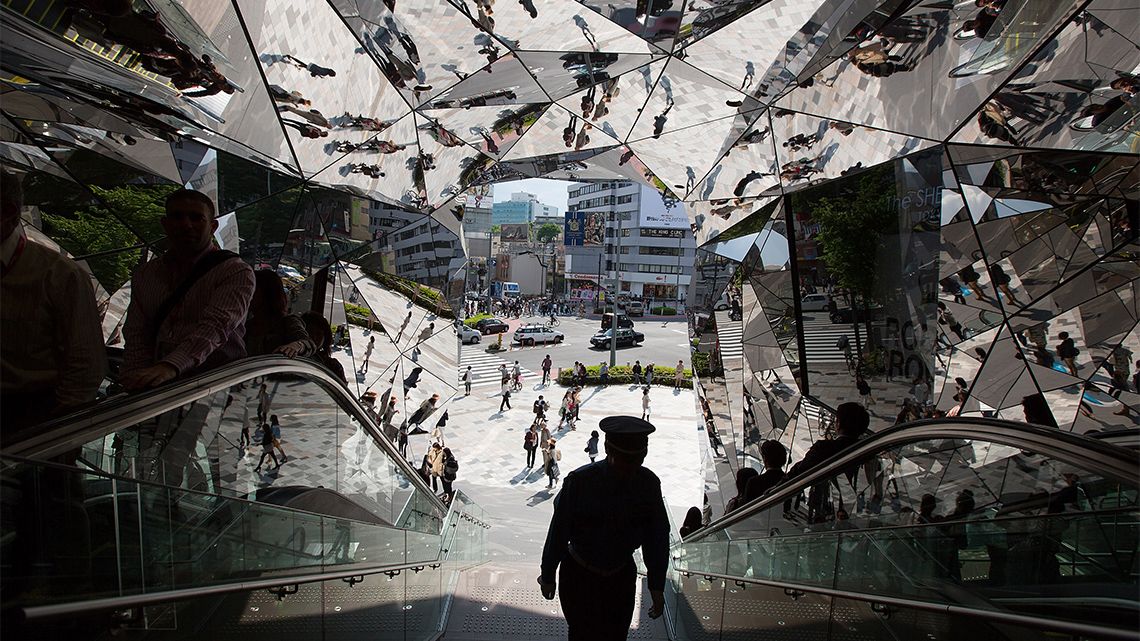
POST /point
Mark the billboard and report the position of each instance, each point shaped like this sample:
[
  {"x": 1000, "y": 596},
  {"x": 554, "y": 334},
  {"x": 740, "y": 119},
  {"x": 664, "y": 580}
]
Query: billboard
[
  {"x": 654, "y": 213},
  {"x": 574, "y": 229},
  {"x": 595, "y": 228},
  {"x": 515, "y": 233}
]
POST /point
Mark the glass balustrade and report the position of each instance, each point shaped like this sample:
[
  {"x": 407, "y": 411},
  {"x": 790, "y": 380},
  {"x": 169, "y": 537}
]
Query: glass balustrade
[
  {"x": 182, "y": 499},
  {"x": 979, "y": 524}
]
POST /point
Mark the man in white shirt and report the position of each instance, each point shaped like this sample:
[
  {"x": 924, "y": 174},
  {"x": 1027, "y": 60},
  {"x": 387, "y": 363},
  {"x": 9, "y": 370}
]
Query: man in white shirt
[{"x": 52, "y": 356}]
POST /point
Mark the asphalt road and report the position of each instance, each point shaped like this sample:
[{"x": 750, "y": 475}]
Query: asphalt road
[{"x": 665, "y": 343}]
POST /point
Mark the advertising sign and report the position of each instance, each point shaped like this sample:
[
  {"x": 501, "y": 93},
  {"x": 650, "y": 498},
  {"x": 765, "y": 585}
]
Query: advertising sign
[
  {"x": 515, "y": 233},
  {"x": 574, "y": 229},
  {"x": 594, "y": 232},
  {"x": 654, "y": 213}
]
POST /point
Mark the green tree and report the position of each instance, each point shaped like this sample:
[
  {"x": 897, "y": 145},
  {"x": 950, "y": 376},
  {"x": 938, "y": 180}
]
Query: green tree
[
  {"x": 547, "y": 232},
  {"x": 108, "y": 224},
  {"x": 851, "y": 227}
]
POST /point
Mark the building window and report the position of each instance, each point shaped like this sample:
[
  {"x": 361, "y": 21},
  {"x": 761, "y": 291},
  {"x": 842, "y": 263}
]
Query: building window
[
  {"x": 621, "y": 200},
  {"x": 660, "y": 251}
]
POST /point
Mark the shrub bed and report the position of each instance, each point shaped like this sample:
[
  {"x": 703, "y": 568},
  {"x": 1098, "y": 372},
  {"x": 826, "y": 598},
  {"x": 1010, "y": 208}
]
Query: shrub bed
[
  {"x": 470, "y": 322},
  {"x": 425, "y": 296},
  {"x": 623, "y": 375},
  {"x": 663, "y": 310}
]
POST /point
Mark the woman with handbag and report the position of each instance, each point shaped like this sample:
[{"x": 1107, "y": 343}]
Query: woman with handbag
[
  {"x": 450, "y": 471},
  {"x": 550, "y": 457}
]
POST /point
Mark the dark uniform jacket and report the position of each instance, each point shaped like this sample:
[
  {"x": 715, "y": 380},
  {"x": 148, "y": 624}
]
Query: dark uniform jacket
[{"x": 604, "y": 519}]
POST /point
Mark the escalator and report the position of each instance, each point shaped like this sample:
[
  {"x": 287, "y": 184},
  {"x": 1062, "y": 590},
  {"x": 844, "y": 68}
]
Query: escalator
[
  {"x": 972, "y": 528},
  {"x": 146, "y": 516}
]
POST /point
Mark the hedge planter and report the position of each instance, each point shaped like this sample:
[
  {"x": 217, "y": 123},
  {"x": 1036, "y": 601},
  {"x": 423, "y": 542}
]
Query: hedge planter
[{"x": 623, "y": 375}]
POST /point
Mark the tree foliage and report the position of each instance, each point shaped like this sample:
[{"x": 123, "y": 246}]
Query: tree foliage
[
  {"x": 547, "y": 232},
  {"x": 851, "y": 227},
  {"x": 122, "y": 217}
]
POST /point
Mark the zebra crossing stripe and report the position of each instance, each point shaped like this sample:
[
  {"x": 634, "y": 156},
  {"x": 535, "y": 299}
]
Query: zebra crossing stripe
[{"x": 484, "y": 368}]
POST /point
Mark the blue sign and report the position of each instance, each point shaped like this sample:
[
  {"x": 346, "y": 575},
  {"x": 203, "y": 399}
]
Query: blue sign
[{"x": 574, "y": 230}]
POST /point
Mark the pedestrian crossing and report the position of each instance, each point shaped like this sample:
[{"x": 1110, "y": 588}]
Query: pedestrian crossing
[
  {"x": 730, "y": 337},
  {"x": 820, "y": 339},
  {"x": 484, "y": 366}
]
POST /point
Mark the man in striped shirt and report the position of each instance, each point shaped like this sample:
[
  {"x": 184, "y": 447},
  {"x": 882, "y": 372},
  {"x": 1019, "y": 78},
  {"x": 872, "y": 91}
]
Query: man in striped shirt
[{"x": 203, "y": 330}]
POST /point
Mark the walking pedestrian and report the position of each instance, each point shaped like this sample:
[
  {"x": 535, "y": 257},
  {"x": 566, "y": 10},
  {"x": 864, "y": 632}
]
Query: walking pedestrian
[
  {"x": 649, "y": 374},
  {"x": 562, "y": 411},
  {"x": 504, "y": 377},
  {"x": 367, "y": 354},
  {"x": 645, "y": 404},
  {"x": 506, "y": 403},
  {"x": 402, "y": 440},
  {"x": 386, "y": 416},
  {"x": 403, "y": 326},
  {"x": 546, "y": 365},
  {"x": 550, "y": 457},
  {"x": 540, "y": 407},
  {"x": 604, "y": 374},
  {"x": 245, "y": 440},
  {"x": 435, "y": 462},
  {"x": 267, "y": 448},
  {"x": 637, "y": 372},
  {"x": 275, "y": 426},
  {"x": 264, "y": 402},
  {"x": 679, "y": 375},
  {"x": 450, "y": 472},
  {"x": 864, "y": 390},
  {"x": 1067, "y": 351},
  {"x": 530, "y": 443},
  {"x": 592, "y": 446},
  {"x": 604, "y": 513},
  {"x": 467, "y": 376}
]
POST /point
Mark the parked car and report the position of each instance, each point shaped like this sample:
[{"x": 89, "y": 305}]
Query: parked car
[
  {"x": 625, "y": 337},
  {"x": 491, "y": 326},
  {"x": 635, "y": 308},
  {"x": 623, "y": 321},
  {"x": 468, "y": 335},
  {"x": 815, "y": 302},
  {"x": 532, "y": 334}
]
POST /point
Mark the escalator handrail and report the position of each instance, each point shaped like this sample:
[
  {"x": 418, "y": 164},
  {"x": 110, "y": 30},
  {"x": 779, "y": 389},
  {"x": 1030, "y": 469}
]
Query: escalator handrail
[
  {"x": 996, "y": 616},
  {"x": 79, "y": 428},
  {"x": 1093, "y": 454},
  {"x": 55, "y": 610}
]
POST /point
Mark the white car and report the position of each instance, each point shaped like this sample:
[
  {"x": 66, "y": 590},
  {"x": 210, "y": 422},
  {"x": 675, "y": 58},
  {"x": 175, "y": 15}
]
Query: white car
[
  {"x": 291, "y": 273},
  {"x": 532, "y": 334},
  {"x": 469, "y": 335},
  {"x": 814, "y": 303}
]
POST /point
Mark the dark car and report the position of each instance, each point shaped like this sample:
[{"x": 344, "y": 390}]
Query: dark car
[
  {"x": 623, "y": 321},
  {"x": 625, "y": 337},
  {"x": 491, "y": 326}
]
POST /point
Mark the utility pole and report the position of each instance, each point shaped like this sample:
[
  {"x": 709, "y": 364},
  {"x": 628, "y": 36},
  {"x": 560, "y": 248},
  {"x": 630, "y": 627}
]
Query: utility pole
[{"x": 617, "y": 287}]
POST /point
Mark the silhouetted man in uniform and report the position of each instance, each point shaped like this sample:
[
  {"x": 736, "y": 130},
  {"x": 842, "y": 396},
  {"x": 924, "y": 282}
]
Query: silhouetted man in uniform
[{"x": 605, "y": 511}]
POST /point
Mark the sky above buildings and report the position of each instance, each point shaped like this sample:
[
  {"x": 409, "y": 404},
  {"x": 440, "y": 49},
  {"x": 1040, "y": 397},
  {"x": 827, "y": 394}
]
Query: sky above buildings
[{"x": 549, "y": 192}]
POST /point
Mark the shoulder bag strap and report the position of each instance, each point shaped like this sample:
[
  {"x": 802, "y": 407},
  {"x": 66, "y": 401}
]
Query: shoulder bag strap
[{"x": 200, "y": 269}]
